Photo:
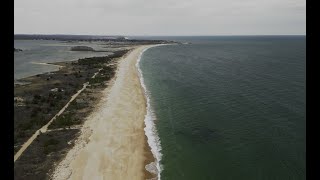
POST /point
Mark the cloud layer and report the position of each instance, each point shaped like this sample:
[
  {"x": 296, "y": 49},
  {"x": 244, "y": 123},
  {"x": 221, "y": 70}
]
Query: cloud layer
[{"x": 165, "y": 17}]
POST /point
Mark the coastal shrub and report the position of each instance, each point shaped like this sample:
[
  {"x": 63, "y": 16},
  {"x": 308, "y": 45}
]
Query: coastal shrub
[
  {"x": 38, "y": 121},
  {"x": 50, "y": 145},
  {"x": 51, "y": 94},
  {"x": 36, "y": 96},
  {"x": 66, "y": 93},
  {"x": 21, "y": 134},
  {"x": 64, "y": 121},
  {"x": 56, "y": 105},
  {"x": 99, "y": 79},
  {"x": 27, "y": 106},
  {"x": 118, "y": 54},
  {"x": 25, "y": 126},
  {"x": 50, "y": 141},
  {"x": 92, "y": 60},
  {"x": 96, "y": 80},
  {"x": 75, "y": 106},
  {"x": 35, "y": 111},
  {"x": 58, "y": 96},
  {"x": 54, "y": 97},
  {"x": 49, "y": 149},
  {"x": 82, "y": 48},
  {"x": 36, "y": 99},
  {"x": 43, "y": 100},
  {"x": 98, "y": 66}
]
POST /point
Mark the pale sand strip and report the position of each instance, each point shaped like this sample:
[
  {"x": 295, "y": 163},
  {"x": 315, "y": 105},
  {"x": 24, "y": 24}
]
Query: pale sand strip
[
  {"x": 112, "y": 142},
  {"x": 46, "y": 64}
]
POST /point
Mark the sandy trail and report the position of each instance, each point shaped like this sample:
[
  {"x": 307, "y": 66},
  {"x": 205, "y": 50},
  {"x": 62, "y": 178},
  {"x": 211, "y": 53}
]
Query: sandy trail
[
  {"x": 112, "y": 143},
  {"x": 44, "y": 128}
]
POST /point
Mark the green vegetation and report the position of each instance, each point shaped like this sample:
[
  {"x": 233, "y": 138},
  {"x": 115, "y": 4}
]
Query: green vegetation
[
  {"x": 50, "y": 145},
  {"x": 81, "y": 48},
  {"x": 65, "y": 120},
  {"x": 118, "y": 54},
  {"x": 75, "y": 106},
  {"x": 35, "y": 122},
  {"x": 108, "y": 70},
  {"x": 51, "y": 142},
  {"x": 93, "y": 61},
  {"x": 97, "y": 80}
]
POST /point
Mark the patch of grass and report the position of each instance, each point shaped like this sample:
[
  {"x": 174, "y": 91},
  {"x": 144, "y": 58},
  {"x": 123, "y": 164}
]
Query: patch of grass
[
  {"x": 34, "y": 122},
  {"x": 105, "y": 74},
  {"x": 25, "y": 126},
  {"x": 50, "y": 145},
  {"x": 64, "y": 120},
  {"x": 97, "y": 80},
  {"x": 93, "y": 60},
  {"x": 21, "y": 134},
  {"x": 36, "y": 99},
  {"x": 35, "y": 111},
  {"x": 118, "y": 54},
  {"x": 50, "y": 141},
  {"x": 75, "y": 106}
]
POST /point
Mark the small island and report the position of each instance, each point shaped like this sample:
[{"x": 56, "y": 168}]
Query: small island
[{"x": 81, "y": 48}]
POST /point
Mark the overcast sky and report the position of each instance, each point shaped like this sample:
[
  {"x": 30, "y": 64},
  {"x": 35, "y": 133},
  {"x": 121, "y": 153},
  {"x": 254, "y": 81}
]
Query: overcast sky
[{"x": 160, "y": 17}]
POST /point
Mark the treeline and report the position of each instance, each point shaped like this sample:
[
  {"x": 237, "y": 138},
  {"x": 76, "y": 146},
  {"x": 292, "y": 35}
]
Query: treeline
[{"x": 103, "y": 59}]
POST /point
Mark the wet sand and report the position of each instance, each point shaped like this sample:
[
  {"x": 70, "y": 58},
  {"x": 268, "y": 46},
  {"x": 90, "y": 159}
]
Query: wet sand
[{"x": 113, "y": 143}]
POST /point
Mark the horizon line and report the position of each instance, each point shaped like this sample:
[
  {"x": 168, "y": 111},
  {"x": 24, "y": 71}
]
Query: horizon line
[{"x": 168, "y": 35}]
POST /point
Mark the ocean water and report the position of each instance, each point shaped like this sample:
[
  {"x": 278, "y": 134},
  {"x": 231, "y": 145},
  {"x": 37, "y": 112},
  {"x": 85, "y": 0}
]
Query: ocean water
[
  {"x": 229, "y": 108},
  {"x": 48, "y": 51}
]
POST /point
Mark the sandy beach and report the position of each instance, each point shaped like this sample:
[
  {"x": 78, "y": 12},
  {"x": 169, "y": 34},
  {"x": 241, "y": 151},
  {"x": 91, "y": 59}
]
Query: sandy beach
[{"x": 112, "y": 144}]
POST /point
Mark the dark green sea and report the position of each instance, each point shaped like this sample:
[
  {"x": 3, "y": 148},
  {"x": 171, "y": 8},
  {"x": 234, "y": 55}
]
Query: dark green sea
[{"x": 229, "y": 108}]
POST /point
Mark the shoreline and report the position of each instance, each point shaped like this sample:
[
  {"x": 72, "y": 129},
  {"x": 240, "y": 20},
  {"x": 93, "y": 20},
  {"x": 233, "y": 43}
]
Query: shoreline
[
  {"x": 48, "y": 64},
  {"x": 153, "y": 140},
  {"x": 22, "y": 80},
  {"x": 113, "y": 140}
]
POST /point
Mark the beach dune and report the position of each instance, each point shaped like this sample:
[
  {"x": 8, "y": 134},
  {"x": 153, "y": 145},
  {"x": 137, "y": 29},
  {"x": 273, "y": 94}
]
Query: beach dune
[{"x": 112, "y": 143}]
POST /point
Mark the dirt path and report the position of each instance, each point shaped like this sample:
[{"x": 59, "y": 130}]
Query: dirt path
[{"x": 44, "y": 128}]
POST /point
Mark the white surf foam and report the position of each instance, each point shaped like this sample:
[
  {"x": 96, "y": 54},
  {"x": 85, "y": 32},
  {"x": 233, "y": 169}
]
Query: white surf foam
[{"x": 150, "y": 129}]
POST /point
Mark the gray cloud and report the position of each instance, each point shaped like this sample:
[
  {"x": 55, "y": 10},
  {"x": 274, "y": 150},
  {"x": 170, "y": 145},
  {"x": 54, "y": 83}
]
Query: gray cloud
[{"x": 165, "y": 17}]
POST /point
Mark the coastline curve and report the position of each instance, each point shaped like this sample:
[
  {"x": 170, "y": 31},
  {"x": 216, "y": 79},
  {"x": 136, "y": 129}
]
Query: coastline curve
[{"x": 150, "y": 129}]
